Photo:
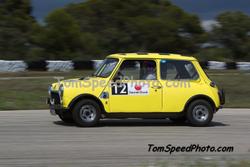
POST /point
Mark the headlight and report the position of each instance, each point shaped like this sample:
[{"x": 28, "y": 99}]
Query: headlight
[
  {"x": 49, "y": 89},
  {"x": 60, "y": 91}
]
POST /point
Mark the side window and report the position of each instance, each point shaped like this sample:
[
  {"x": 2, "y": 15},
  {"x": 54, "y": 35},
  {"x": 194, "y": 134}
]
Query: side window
[
  {"x": 137, "y": 70},
  {"x": 177, "y": 70}
]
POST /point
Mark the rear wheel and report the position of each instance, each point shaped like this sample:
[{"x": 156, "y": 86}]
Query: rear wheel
[
  {"x": 86, "y": 113},
  {"x": 200, "y": 113}
]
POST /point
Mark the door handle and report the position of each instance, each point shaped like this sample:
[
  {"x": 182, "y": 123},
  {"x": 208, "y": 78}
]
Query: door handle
[{"x": 156, "y": 87}]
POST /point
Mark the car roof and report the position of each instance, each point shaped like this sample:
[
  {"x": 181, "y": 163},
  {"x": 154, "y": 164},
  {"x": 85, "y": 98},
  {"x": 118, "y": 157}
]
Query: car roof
[{"x": 151, "y": 56}]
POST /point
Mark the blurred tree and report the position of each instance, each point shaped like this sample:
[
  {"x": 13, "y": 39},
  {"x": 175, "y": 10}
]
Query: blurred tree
[
  {"x": 15, "y": 27},
  {"x": 61, "y": 37},
  {"x": 96, "y": 28},
  {"x": 214, "y": 53},
  {"x": 137, "y": 25},
  {"x": 233, "y": 32}
]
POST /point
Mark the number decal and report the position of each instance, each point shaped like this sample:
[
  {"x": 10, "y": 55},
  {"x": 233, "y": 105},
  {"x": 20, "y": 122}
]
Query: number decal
[
  {"x": 119, "y": 89},
  {"x": 124, "y": 89},
  {"x": 130, "y": 89}
]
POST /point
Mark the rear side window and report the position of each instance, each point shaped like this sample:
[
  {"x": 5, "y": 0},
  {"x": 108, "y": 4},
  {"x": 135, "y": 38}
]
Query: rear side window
[{"x": 177, "y": 70}]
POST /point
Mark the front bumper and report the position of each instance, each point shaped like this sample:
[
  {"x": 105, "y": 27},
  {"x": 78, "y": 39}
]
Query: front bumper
[
  {"x": 54, "y": 108},
  {"x": 54, "y": 102},
  {"x": 52, "y": 105}
]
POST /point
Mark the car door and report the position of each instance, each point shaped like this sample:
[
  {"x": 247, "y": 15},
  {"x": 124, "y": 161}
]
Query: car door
[
  {"x": 135, "y": 88},
  {"x": 181, "y": 82}
]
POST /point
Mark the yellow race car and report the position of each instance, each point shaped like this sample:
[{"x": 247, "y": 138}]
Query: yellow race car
[{"x": 139, "y": 85}]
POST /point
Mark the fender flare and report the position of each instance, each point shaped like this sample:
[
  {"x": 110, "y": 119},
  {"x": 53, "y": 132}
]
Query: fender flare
[
  {"x": 200, "y": 96},
  {"x": 85, "y": 96}
]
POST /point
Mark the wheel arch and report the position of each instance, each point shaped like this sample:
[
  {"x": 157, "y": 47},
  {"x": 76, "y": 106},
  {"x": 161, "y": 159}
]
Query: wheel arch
[
  {"x": 200, "y": 97},
  {"x": 86, "y": 96}
]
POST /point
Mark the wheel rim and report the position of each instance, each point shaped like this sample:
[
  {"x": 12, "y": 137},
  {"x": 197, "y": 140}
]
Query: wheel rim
[
  {"x": 88, "y": 113},
  {"x": 200, "y": 113}
]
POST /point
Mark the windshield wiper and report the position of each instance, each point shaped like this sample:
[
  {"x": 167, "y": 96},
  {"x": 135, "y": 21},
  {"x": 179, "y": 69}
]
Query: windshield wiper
[
  {"x": 100, "y": 76},
  {"x": 82, "y": 78}
]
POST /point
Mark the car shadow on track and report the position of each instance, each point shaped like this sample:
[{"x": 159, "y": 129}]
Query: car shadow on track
[
  {"x": 150, "y": 122},
  {"x": 140, "y": 122},
  {"x": 63, "y": 123}
]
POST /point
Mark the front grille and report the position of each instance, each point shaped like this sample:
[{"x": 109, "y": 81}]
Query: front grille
[{"x": 55, "y": 97}]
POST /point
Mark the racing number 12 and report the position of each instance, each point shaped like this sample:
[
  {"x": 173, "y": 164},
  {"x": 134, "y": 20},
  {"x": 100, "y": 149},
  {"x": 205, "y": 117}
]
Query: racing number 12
[{"x": 119, "y": 89}]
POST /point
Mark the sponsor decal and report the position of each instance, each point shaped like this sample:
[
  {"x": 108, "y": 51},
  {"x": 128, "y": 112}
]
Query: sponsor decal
[{"x": 138, "y": 89}]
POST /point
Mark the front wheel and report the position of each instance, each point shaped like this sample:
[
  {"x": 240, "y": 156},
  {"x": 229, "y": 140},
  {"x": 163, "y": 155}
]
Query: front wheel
[
  {"x": 86, "y": 113},
  {"x": 200, "y": 113}
]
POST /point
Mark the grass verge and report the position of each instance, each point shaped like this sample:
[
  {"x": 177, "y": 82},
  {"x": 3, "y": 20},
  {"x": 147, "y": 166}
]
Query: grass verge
[{"x": 21, "y": 91}]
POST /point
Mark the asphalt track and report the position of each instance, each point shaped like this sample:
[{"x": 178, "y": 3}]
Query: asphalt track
[{"x": 35, "y": 138}]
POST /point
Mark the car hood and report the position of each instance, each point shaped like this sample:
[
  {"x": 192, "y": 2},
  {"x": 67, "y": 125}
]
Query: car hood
[{"x": 83, "y": 83}]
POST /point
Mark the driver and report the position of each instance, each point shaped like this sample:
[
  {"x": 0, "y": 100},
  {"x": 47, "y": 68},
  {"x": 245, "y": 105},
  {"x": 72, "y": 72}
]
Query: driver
[{"x": 150, "y": 73}]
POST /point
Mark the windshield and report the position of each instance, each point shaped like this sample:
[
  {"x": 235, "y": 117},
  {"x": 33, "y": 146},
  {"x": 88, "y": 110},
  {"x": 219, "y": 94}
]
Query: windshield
[{"x": 106, "y": 68}]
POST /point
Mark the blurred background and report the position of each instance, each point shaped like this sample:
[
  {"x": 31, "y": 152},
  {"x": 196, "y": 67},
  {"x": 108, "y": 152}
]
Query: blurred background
[
  {"x": 82, "y": 30},
  {"x": 92, "y": 29}
]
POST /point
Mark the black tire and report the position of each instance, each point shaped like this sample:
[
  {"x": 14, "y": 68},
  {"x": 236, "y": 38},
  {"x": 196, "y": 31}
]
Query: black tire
[
  {"x": 178, "y": 119},
  {"x": 66, "y": 117},
  {"x": 86, "y": 113},
  {"x": 200, "y": 113}
]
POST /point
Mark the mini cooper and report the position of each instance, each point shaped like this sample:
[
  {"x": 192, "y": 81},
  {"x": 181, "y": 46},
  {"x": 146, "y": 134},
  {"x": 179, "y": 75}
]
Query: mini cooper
[{"x": 139, "y": 85}]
